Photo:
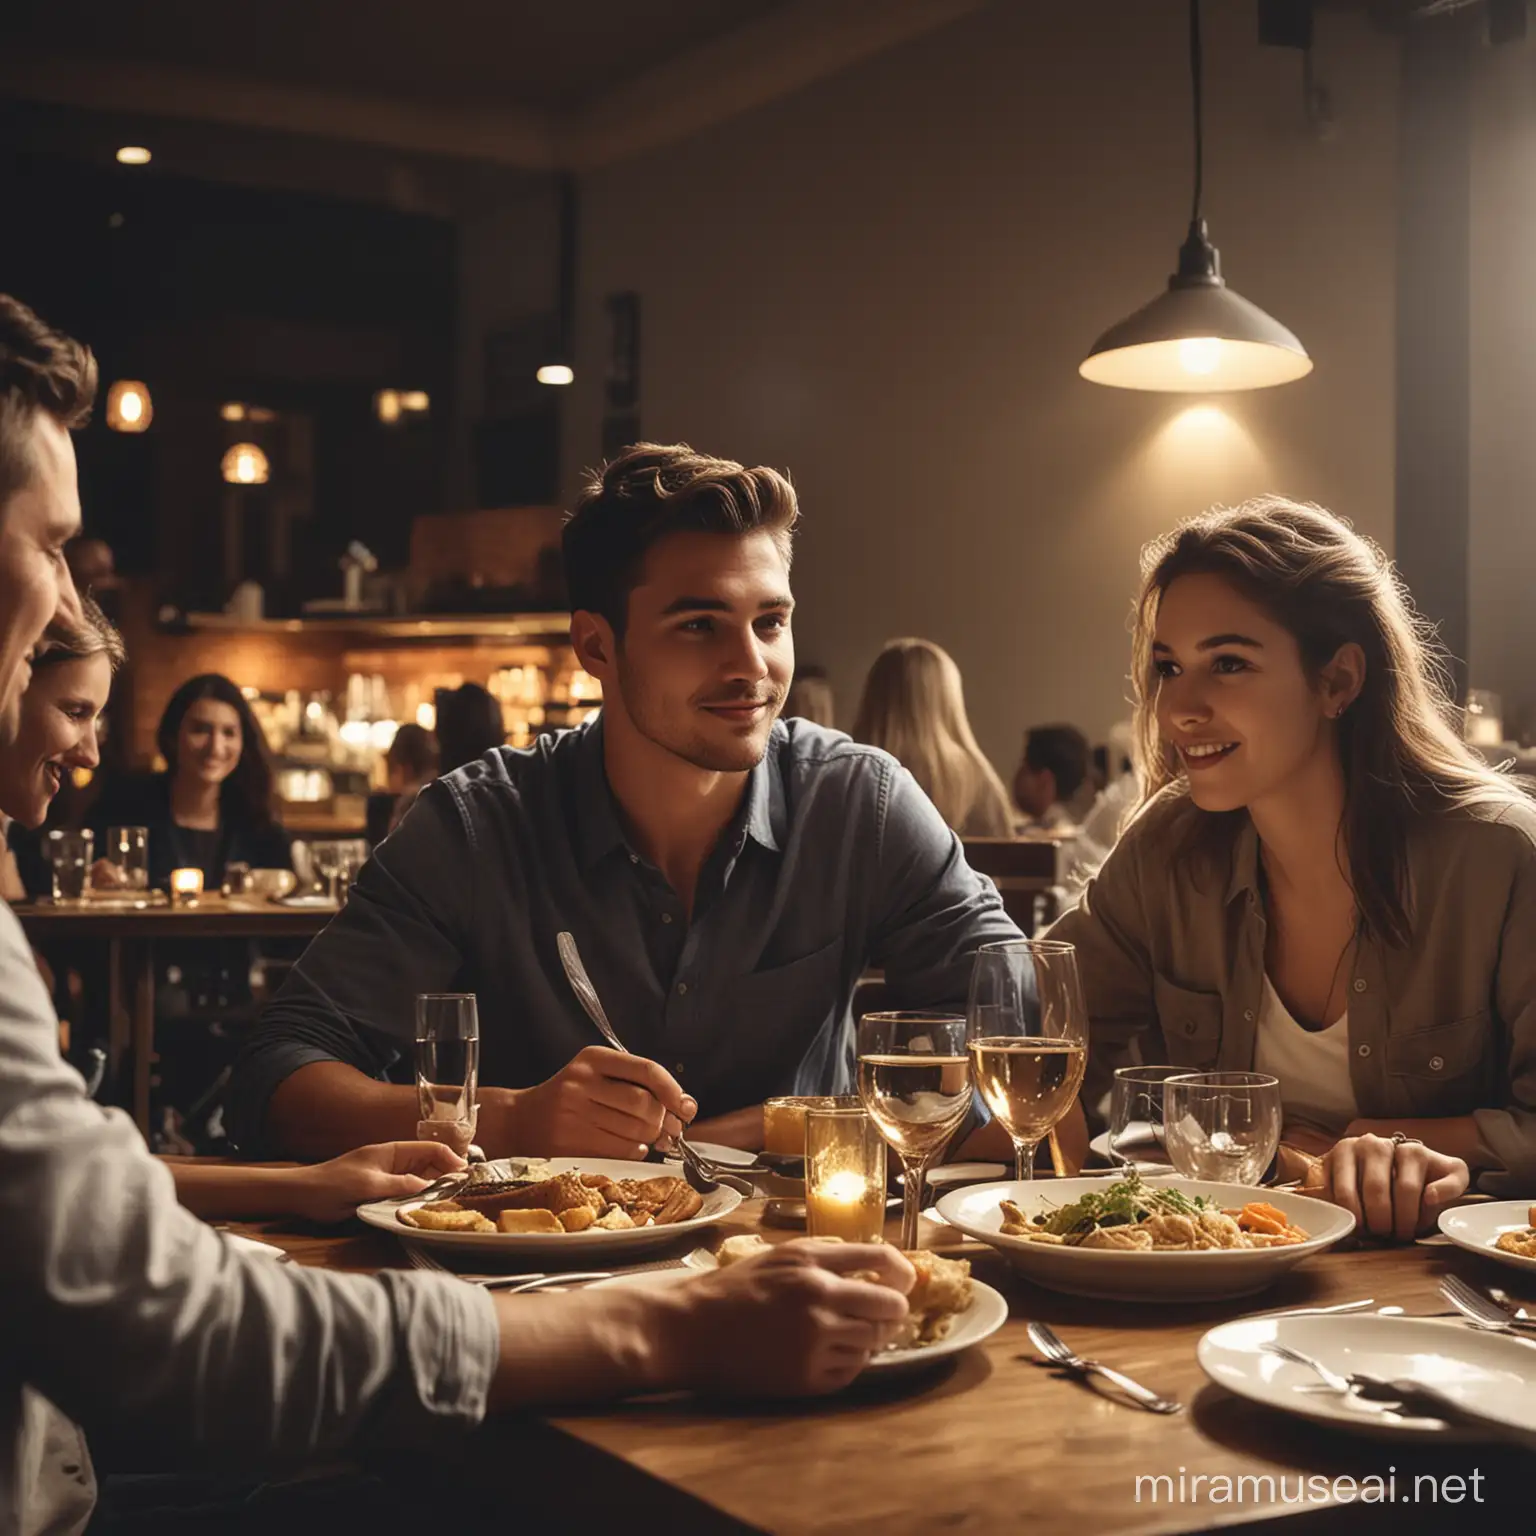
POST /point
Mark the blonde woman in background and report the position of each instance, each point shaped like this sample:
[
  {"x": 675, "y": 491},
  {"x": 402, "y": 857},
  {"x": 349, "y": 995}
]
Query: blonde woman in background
[
  {"x": 914, "y": 708},
  {"x": 810, "y": 697}
]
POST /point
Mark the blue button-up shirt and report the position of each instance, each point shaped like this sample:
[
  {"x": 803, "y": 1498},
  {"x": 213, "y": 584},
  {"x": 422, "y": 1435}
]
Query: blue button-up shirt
[{"x": 835, "y": 862}]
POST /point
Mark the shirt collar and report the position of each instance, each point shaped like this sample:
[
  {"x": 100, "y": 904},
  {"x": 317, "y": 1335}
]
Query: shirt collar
[
  {"x": 762, "y": 817},
  {"x": 1245, "y": 863}
]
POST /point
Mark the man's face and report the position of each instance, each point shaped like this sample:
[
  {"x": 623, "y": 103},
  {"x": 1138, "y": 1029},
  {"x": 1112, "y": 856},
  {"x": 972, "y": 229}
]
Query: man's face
[
  {"x": 707, "y": 655},
  {"x": 1034, "y": 789},
  {"x": 35, "y": 585}
]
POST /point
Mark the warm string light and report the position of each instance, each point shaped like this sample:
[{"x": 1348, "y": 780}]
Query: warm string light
[
  {"x": 245, "y": 464},
  {"x": 129, "y": 408}
]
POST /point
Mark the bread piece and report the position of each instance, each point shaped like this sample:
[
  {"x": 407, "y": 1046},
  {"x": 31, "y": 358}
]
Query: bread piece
[
  {"x": 614, "y": 1219},
  {"x": 578, "y": 1218},
  {"x": 746, "y": 1245},
  {"x": 520, "y": 1197},
  {"x": 528, "y": 1221},
  {"x": 941, "y": 1292},
  {"x": 429, "y": 1220}
]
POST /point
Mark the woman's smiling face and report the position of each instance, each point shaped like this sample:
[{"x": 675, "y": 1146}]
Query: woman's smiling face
[
  {"x": 1233, "y": 698},
  {"x": 57, "y": 732}
]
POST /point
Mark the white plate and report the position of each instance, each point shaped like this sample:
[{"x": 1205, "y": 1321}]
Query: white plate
[
  {"x": 1486, "y": 1372},
  {"x": 730, "y": 1157},
  {"x": 1478, "y": 1227},
  {"x": 987, "y": 1313},
  {"x": 251, "y": 1245},
  {"x": 578, "y": 1247},
  {"x": 1106, "y": 1274}
]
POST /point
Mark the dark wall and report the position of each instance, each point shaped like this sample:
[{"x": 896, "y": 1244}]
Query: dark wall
[{"x": 212, "y": 293}]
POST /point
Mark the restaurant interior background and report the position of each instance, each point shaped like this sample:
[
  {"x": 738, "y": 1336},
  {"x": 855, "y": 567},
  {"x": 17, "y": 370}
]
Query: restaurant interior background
[{"x": 866, "y": 242}]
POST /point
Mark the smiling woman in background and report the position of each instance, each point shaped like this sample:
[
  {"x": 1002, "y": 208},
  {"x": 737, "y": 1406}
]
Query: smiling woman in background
[
  {"x": 1325, "y": 883},
  {"x": 914, "y": 708},
  {"x": 213, "y": 804}
]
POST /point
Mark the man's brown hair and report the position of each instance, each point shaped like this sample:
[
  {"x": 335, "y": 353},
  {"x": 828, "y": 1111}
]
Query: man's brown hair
[
  {"x": 649, "y": 491},
  {"x": 41, "y": 369}
]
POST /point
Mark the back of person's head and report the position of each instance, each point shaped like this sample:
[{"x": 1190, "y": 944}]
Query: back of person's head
[
  {"x": 1330, "y": 587},
  {"x": 810, "y": 697},
  {"x": 41, "y": 370},
  {"x": 469, "y": 724},
  {"x": 94, "y": 635},
  {"x": 652, "y": 490},
  {"x": 1063, "y": 749},
  {"x": 413, "y": 752},
  {"x": 246, "y": 795},
  {"x": 913, "y": 707}
]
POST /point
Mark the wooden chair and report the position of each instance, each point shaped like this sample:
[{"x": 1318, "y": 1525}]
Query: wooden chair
[{"x": 1022, "y": 869}]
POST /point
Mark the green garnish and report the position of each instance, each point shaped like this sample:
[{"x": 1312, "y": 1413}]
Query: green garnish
[{"x": 1123, "y": 1203}]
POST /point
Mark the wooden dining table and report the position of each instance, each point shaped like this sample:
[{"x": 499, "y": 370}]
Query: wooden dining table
[
  {"x": 130, "y": 932},
  {"x": 991, "y": 1441}
]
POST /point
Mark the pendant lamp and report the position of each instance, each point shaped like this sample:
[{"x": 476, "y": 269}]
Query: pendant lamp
[{"x": 1199, "y": 336}]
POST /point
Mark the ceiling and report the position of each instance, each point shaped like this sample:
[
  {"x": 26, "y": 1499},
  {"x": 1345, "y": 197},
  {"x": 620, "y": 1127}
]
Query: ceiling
[{"x": 535, "y": 84}]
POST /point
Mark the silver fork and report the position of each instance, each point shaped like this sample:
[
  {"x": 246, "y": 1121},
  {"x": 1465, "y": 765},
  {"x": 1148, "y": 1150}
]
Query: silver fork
[
  {"x": 702, "y": 1174},
  {"x": 1056, "y": 1352},
  {"x": 1480, "y": 1310}
]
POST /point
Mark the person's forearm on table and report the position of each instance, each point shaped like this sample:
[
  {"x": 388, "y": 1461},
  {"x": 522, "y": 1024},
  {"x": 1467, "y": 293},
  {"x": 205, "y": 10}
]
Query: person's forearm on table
[
  {"x": 1455, "y": 1135},
  {"x": 992, "y": 1143},
  {"x": 234, "y": 1191},
  {"x": 741, "y": 1128}
]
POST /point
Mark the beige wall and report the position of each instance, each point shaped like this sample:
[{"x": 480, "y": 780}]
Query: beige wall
[
  {"x": 1503, "y": 381},
  {"x": 885, "y": 284}
]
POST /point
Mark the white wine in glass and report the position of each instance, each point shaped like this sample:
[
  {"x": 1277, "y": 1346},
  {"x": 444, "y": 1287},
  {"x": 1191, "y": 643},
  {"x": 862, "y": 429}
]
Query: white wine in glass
[
  {"x": 1027, "y": 1026},
  {"x": 915, "y": 1081}
]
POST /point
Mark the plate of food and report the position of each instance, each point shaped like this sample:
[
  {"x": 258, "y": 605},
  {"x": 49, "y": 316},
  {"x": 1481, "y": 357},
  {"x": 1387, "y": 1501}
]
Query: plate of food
[
  {"x": 1504, "y": 1230},
  {"x": 948, "y": 1311},
  {"x": 1143, "y": 1239},
  {"x": 1486, "y": 1373},
  {"x": 554, "y": 1208}
]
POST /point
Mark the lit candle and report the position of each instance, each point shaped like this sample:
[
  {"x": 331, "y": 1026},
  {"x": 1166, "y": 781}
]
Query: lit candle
[
  {"x": 186, "y": 885},
  {"x": 846, "y": 1205}
]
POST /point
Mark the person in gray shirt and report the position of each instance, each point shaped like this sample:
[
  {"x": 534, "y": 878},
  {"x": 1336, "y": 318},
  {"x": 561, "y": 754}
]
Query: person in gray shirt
[
  {"x": 123, "y": 1310},
  {"x": 727, "y": 875}
]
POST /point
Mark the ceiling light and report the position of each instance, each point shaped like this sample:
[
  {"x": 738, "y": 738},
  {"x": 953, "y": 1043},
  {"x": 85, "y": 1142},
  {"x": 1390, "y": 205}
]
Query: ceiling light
[
  {"x": 245, "y": 464},
  {"x": 416, "y": 401},
  {"x": 556, "y": 369},
  {"x": 232, "y": 410},
  {"x": 556, "y": 373},
  {"x": 133, "y": 154},
  {"x": 386, "y": 406},
  {"x": 1199, "y": 336},
  {"x": 129, "y": 408}
]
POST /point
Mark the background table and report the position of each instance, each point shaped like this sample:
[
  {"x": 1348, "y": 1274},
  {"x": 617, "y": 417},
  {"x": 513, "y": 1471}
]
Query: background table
[
  {"x": 130, "y": 934},
  {"x": 988, "y": 1443}
]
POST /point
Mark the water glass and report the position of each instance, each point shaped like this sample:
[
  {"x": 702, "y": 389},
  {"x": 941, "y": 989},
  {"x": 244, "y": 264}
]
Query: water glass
[
  {"x": 844, "y": 1175},
  {"x": 69, "y": 857},
  {"x": 915, "y": 1081},
  {"x": 447, "y": 1068},
  {"x": 1027, "y": 1029},
  {"x": 1136, "y": 1116},
  {"x": 127, "y": 851},
  {"x": 1222, "y": 1126}
]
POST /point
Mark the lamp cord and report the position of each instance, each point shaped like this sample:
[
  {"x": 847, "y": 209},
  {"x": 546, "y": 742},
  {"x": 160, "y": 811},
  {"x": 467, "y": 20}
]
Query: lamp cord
[{"x": 1197, "y": 95}]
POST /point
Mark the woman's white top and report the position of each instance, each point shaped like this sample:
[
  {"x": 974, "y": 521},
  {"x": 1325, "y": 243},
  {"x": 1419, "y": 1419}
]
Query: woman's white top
[{"x": 1312, "y": 1065}]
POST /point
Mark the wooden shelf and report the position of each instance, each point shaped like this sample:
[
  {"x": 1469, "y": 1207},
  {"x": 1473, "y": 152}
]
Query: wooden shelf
[{"x": 468, "y": 626}]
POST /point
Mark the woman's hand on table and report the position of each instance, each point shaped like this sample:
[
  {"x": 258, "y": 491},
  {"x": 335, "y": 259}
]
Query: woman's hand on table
[
  {"x": 390, "y": 1170},
  {"x": 803, "y": 1318},
  {"x": 1393, "y": 1189},
  {"x": 602, "y": 1103},
  {"x": 107, "y": 876}
]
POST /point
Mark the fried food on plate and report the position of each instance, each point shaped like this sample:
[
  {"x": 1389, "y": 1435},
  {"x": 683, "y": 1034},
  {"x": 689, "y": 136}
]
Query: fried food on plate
[
  {"x": 440, "y": 1218},
  {"x": 1521, "y": 1244},
  {"x": 563, "y": 1202}
]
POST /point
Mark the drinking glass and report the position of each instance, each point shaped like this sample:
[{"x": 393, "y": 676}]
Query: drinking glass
[
  {"x": 1027, "y": 1028},
  {"x": 329, "y": 860},
  {"x": 1136, "y": 1117},
  {"x": 915, "y": 1081},
  {"x": 128, "y": 851},
  {"x": 69, "y": 857},
  {"x": 1222, "y": 1126},
  {"x": 447, "y": 1068},
  {"x": 844, "y": 1175}
]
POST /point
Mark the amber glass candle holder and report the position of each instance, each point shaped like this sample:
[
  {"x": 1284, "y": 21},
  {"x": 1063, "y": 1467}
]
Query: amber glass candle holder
[
  {"x": 844, "y": 1175},
  {"x": 186, "y": 887}
]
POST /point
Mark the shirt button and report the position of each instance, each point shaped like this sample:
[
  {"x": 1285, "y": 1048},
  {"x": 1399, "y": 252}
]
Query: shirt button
[
  {"x": 1363, "y": 1051},
  {"x": 677, "y": 1069},
  {"x": 634, "y": 858},
  {"x": 1190, "y": 1026},
  {"x": 1248, "y": 1014},
  {"x": 1359, "y": 983},
  {"x": 666, "y": 917},
  {"x": 1436, "y": 1063},
  {"x": 682, "y": 989}
]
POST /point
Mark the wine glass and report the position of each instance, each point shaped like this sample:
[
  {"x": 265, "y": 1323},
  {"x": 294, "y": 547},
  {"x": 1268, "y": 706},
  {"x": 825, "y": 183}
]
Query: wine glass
[
  {"x": 1222, "y": 1126},
  {"x": 447, "y": 1068},
  {"x": 915, "y": 1081},
  {"x": 329, "y": 861},
  {"x": 1136, "y": 1117},
  {"x": 1027, "y": 1028}
]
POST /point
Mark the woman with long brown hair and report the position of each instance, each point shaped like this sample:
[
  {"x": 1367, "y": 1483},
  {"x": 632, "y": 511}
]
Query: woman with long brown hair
[
  {"x": 1324, "y": 882},
  {"x": 914, "y": 708}
]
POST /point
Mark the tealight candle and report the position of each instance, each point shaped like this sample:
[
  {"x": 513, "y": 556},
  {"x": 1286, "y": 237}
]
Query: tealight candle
[
  {"x": 186, "y": 885},
  {"x": 844, "y": 1175}
]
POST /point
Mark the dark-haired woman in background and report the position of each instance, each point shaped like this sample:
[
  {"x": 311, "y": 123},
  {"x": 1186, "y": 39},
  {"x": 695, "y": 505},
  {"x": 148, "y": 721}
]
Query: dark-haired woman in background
[
  {"x": 210, "y": 808},
  {"x": 469, "y": 724}
]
